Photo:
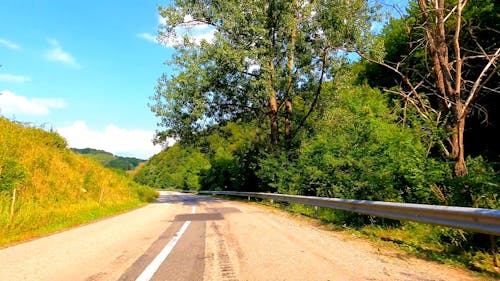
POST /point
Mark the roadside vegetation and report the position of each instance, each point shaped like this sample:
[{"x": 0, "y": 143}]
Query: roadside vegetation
[
  {"x": 441, "y": 244},
  {"x": 44, "y": 186},
  {"x": 308, "y": 98}
]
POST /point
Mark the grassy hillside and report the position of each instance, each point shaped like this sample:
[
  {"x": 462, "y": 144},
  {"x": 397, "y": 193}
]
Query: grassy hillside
[
  {"x": 110, "y": 160},
  {"x": 44, "y": 186}
]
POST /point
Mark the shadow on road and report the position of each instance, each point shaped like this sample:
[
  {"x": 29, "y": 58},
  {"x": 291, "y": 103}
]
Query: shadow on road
[
  {"x": 185, "y": 199},
  {"x": 215, "y": 213},
  {"x": 199, "y": 217}
]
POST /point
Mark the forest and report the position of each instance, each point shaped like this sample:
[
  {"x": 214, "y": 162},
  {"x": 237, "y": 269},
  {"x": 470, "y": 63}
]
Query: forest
[
  {"x": 310, "y": 98},
  {"x": 109, "y": 160}
]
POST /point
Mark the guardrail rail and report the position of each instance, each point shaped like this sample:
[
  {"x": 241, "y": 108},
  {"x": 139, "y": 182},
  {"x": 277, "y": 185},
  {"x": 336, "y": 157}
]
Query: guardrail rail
[{"x": 473, "y": 219}]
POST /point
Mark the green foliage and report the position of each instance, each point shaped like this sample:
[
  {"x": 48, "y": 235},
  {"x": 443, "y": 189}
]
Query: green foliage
[
  {"x": 223, "y": 159},
  {"x": 480, "y": 188},
  {"x": 358, "y": 152},
  {"x": 246, "y": 68},
  {"x": 234, "y": 152},
  {"x": 91, "y": 151},
  {"x": 176, "y": 167},
  {"x": 407, "y": 49},
  {"x": 109, "y": 160},
  {"x": 11, "y": 174},
  {"x": 346, "y": 138},
  {"x": 124, "y": 163},
  {"x": 278, "y": 175}
]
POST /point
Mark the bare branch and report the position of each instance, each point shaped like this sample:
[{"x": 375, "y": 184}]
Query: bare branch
[
  {"x": 456, "y": 44},
  {"x": 403, "y": 77},
  {"x": 413, "y": 102},
  {"x": 491, "y": 61},
  {"x": 450, "y": 13}
]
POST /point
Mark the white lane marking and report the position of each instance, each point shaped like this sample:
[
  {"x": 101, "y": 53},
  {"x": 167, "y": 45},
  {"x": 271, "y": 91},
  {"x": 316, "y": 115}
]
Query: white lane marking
[{"x": 148, "y": 273}]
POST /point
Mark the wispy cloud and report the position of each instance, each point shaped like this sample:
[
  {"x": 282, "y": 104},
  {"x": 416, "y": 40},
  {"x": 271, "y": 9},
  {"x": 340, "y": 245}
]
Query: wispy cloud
[
  {"x": 125, "y": 142},
  {"x": 11, "y": 103},
  {"x": 57, "y": 54},
  {"x": 9, "y": 44},
  {"x": 7, "y": 77},
  {"x": 147, "y": 36}
]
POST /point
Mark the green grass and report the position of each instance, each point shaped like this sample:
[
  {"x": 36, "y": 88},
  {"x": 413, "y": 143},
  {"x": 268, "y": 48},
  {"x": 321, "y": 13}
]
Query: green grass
[
  {"x": 439, "y": 244},
  {"x": 45, "y": 187},
  {"x": 56, "y": 220},
  {"x": 101, "y": 158}
]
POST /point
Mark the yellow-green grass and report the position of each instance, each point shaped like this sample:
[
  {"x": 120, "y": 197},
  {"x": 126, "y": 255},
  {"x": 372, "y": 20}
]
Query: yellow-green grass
[
  {"x": 136, "y": 169},
  {"x": 45, "y": 187}
]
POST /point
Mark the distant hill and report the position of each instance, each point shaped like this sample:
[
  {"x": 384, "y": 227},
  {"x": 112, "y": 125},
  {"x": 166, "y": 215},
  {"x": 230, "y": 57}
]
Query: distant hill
[
  {"x": 44, "y": 186},
  {"x": 107, "y": 159}
]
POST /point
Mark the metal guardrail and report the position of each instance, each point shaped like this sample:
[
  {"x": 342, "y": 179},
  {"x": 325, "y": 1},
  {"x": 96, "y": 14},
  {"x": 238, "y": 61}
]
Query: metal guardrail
[{"x": 473, "y": 219}]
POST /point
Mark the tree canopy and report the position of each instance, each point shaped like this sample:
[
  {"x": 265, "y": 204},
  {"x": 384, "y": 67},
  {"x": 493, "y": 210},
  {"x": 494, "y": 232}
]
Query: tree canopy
[
  {"x": 269, "y": 60},
  {"x": 276, "y": 70}
]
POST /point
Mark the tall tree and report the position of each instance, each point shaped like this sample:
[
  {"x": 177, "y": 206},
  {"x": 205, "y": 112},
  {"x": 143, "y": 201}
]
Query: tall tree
[
  {"x": 461, "y": 66},
  {"x": 269, "y": 60}
]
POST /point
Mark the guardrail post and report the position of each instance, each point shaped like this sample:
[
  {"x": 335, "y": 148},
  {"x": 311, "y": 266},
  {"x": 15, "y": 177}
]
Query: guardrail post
[
  {"x": 272, "y": 201},
  {"x": 248, "y": 198},
  {"x": 315, "y": 211}
]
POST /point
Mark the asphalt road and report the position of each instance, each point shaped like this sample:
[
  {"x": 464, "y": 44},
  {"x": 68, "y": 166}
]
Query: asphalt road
[{"x": 187, "y": 237}]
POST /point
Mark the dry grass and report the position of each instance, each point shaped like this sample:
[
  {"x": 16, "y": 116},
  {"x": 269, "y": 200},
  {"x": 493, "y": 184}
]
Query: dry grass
[{"x": 44, "y": 186}]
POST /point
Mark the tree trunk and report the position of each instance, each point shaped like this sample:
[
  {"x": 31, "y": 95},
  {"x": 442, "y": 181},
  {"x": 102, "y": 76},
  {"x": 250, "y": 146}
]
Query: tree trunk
[
  {"x": 273, "y": 103},
  {"x": 458, "y": 145},
  {"x": 273, "y": 117},
  {"x": 288, "y": 125},
  {"x": 289, "y": 88},
  {"x": 449, "y": 86}
]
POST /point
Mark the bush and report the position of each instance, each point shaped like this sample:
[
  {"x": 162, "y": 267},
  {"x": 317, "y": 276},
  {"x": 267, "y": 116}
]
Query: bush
[
  {"x": 11, "y": 174},
  {"x": 357, "y": 151},
  {"x": 176, "y": 167},
  {"x": 480, "y": 188}
]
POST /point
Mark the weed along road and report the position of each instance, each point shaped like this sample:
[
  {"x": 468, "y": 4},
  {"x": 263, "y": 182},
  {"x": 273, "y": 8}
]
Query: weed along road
[{"x": 188, "y": 237}]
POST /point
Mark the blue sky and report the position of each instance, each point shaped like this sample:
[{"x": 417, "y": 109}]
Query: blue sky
[{"x": 83, "y": 65}]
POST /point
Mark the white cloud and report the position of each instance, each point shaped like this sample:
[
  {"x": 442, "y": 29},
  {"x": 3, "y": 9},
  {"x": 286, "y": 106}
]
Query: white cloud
[
  {"x": 194, "y": 35},
  {"x": 6, "y": 77},
  {"x": 196, "y": 31},
  {"x": 123, "y": 142},
  {"x": 252, "y": 65},
  {"x": 11, "y": 103},
  {"x": 162, "y": 20},
  {"x": 207, "y": 33},
  {"x": 147, "y": 36},
  {"x": 9, "y": 44},
  {"x": 57, "y": 54}
]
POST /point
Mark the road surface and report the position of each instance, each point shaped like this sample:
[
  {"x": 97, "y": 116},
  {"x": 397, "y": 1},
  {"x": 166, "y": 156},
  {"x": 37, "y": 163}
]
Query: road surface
[{"x": 188, "y": 237}]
